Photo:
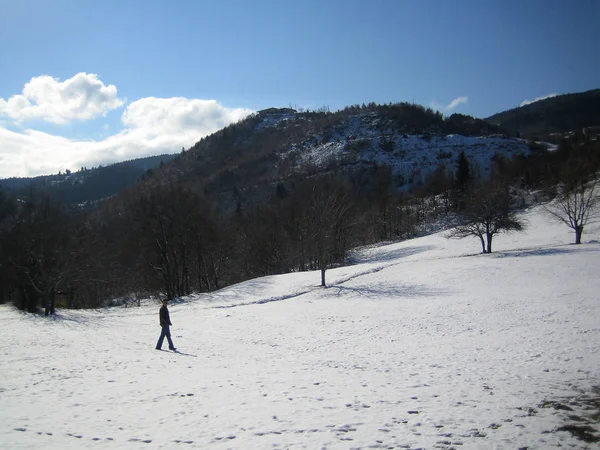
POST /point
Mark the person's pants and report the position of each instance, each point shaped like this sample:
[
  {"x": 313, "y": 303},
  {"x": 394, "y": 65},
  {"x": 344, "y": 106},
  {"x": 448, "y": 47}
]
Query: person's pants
[{"x": 165, "y": 332}]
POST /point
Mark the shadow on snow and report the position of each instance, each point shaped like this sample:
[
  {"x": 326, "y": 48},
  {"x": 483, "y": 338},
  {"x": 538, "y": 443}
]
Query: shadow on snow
[
  {"x": 563, "y": 250},
  {"x": 390, "y": 291},
  {"x": 389, "y": 255}
]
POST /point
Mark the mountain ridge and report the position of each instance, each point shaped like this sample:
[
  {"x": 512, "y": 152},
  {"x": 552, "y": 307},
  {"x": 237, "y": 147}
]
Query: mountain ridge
[
  {"x": 559, "y": 114},
  {"x": 274, "y": 146},
  {"x": 89, "y": 185},
  {"x": 244, "y": 161}
]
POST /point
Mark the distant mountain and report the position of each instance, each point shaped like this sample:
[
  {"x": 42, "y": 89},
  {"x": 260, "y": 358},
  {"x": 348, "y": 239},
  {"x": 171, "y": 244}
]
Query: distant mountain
[
  {"x": 560, "y": 114},
  {"x": 89, "y": 185}
]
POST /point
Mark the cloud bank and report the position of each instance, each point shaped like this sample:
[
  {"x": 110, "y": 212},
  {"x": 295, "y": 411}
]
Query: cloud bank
[
  {"x": 150, "y": 126},
  {"x": 528, "y": 102}
]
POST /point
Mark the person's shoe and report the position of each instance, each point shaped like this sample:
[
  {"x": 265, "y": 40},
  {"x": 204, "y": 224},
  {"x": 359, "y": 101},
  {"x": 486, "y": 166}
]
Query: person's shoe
[
  {"x": 173, "y": 348},
  {"x": 158, "y": 348}
]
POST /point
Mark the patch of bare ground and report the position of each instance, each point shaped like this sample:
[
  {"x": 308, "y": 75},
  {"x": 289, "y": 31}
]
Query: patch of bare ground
[{"x": 581, "y": 414}]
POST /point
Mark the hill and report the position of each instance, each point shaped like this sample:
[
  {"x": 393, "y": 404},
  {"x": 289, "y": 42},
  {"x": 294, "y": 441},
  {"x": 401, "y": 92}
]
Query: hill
[
  {"x": 560, "y": 114},
  {"x": 419, "y": 344},
  {"x": 88, "y": 185},
  {"x": 245, "y": 163}
]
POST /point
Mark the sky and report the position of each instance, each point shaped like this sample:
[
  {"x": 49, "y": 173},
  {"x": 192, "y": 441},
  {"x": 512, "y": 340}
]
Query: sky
[
  {"x": 424, "y": 343},
  {"x": 87, "y": 83}
]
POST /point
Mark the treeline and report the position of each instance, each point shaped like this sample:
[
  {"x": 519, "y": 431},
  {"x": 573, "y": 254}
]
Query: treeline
[
  {"x": 416, "y": 119},
  {"x": 166, "y": 238},
  {"x": 171, "y": 240}
]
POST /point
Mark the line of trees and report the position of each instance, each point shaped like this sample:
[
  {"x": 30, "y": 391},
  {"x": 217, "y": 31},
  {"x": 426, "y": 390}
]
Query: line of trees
[
  {"x": 167, "y": 238},
  {"x": 170, "y": 240},
  {"x": 487, "y": 208}
]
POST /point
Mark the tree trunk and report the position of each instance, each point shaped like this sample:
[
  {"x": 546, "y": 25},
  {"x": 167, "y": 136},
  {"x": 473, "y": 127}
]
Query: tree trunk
[
  {"x": 482, "y": 244},
  {"x": 489, "y": 242},
  {"x": 201, "y": 268},
  {"x": 32, "y": 302},
  {"x": 578, "y": 234},
  {"x": 47, "y": 296},
  {"x": 53, "y": 301},
  {"x": 323, "y": 276}
]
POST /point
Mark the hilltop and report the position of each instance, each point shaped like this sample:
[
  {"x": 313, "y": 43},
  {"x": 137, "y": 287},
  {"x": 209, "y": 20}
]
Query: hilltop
[{"x": 246, "y": 162}]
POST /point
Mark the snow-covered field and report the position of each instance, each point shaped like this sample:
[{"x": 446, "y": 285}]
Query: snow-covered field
[{"x": 419, "y": 344}]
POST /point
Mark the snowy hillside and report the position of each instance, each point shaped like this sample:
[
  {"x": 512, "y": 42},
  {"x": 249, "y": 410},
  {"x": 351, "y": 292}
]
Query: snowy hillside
[
  {"x": 368, "y": 137},
  {"x": 416, "y": 157},
  {"x": 419, "y": 344}
]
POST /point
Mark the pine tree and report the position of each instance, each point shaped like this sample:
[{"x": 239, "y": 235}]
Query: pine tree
[{"x": 462, "y": 179}]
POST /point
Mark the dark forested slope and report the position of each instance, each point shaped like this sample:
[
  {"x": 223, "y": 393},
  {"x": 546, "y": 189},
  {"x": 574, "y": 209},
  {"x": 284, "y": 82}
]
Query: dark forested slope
[{"x": 560, "y": 114}]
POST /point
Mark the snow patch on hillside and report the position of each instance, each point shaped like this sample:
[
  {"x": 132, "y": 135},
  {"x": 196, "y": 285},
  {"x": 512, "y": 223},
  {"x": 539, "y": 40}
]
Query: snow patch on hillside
[
  {"x": 413, "y": 158},
  {"x": 367, "y": 138}
]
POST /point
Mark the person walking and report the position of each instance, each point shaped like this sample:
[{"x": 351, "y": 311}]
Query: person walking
[{"x": 165, "y": 323}]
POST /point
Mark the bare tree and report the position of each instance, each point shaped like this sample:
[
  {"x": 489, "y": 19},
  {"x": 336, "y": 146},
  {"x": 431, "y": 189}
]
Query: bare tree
[
  {"x": 577, "y": 200},
  {"x": 576, "y": 206},
  {"x": 165, "y": 222},
  {"x": 213, "y": 251},
  {"x": 488, "y": 212},
  {"x": 36, "y": 247},
  {"x": 328, "y": 220}
]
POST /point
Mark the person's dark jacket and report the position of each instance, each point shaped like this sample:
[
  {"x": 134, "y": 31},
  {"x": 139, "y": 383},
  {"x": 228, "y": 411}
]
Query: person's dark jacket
[{"x": 164, "y": 317}]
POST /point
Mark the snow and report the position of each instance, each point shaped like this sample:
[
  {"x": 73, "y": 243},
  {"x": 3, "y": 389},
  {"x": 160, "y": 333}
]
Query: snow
[
  {"x": 274, "y": 119},
  {"x": 414, "y": 157},
  {"x": 420, "y": 344},
  {"x": 370, "y": 138}
]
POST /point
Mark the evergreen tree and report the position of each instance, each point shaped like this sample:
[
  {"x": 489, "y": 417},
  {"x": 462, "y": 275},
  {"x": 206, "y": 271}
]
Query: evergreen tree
[{"x": 462, "y": 179}]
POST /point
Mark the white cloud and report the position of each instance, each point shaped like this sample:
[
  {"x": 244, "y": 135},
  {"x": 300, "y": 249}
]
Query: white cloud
[
  {"x": 537, "y": 99},
  {"x": 178, "y": 114},
  {"x": 457, "y": 101},
  {"x": 453, "y": 104},
  {"x": 81, "y": 97},
  {"x": 152, "y": 126}
]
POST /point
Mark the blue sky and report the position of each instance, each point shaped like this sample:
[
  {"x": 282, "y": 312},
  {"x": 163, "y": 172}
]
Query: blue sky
[{"x": 85, "y": 83}]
